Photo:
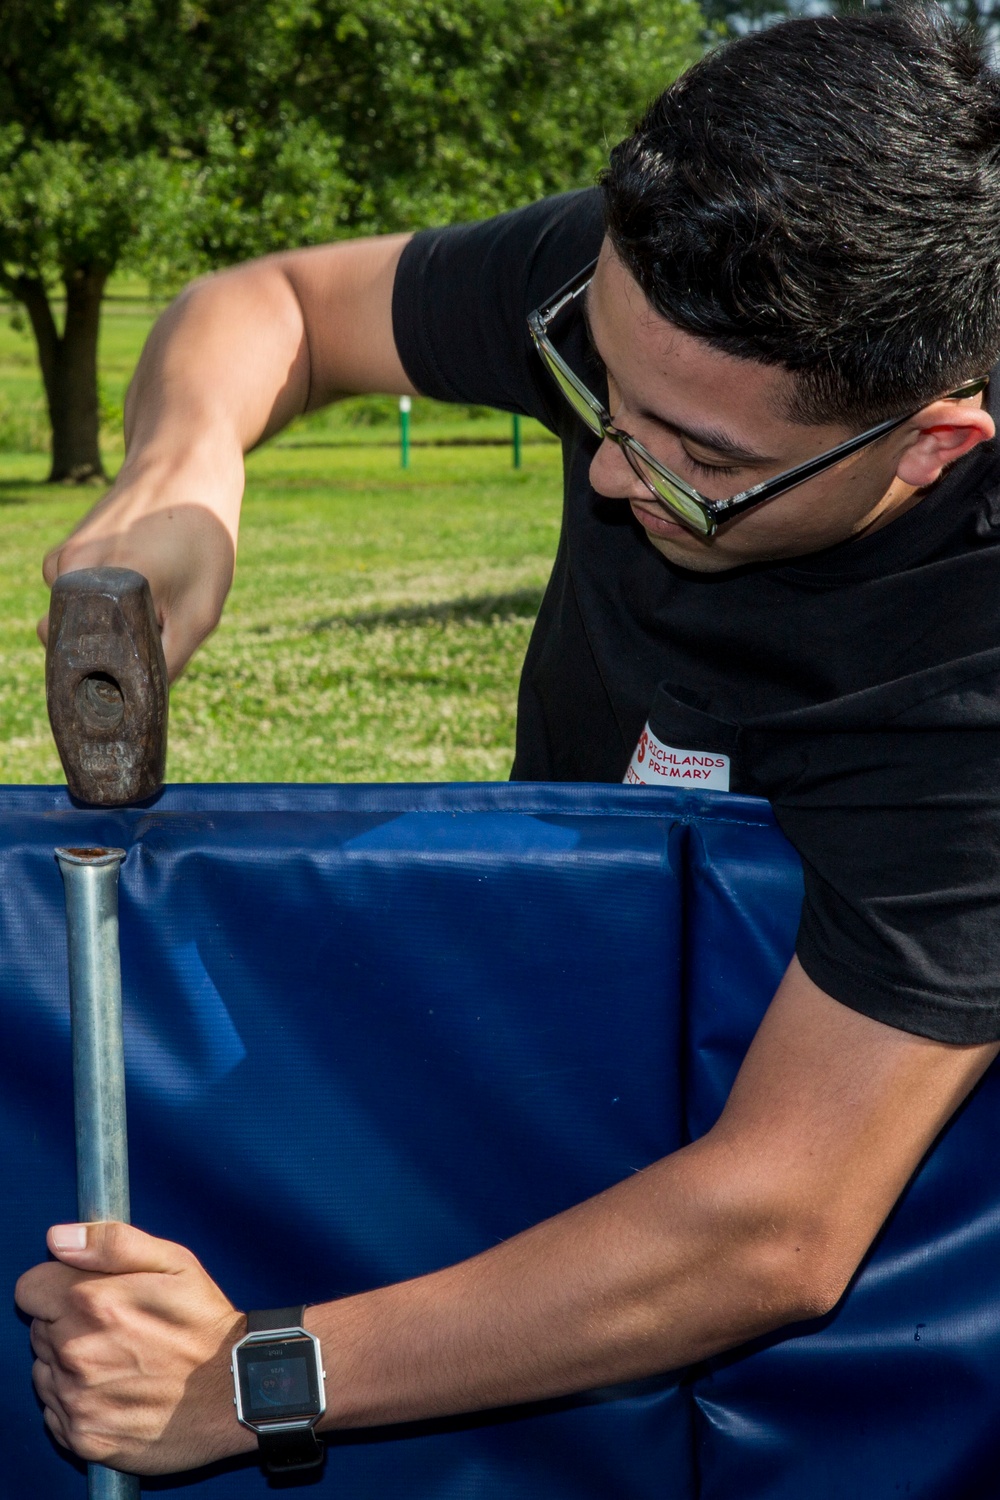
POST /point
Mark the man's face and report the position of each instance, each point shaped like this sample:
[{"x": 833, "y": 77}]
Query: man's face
[{"x": 719, "y": 423}]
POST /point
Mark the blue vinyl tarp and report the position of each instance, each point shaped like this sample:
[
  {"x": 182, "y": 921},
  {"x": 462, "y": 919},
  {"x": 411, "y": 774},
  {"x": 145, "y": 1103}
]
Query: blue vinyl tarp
[{"x": 373, "y": 1030}]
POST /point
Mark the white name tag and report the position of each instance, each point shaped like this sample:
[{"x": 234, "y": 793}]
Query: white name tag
[{"x": 656, "y": 764}]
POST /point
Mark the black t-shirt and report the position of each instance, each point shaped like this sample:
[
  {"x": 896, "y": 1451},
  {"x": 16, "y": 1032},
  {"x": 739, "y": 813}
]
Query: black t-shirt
[{"x": 857, "y": 688}]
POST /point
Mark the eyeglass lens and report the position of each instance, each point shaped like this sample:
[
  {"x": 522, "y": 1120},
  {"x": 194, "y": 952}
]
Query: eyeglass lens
[
  {"x": 576, "y": 399},
  {"x": 686, "y": 509}
]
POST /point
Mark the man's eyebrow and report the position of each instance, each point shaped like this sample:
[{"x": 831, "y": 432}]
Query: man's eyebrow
[{"x": 714, "y": 438}]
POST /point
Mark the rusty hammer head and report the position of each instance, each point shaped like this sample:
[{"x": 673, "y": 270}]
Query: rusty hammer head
[{"x": 106, "y": 686}]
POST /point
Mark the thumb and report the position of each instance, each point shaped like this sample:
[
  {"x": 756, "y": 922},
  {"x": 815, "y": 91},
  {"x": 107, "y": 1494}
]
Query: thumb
[{"x": 113, "y": 1247}]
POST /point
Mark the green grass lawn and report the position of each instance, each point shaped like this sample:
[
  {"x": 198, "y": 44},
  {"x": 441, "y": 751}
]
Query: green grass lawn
[
  {"x": 379, "y": 616},
  {"x": 374, "y": 633},
  {"x": 375, "y": 630}
]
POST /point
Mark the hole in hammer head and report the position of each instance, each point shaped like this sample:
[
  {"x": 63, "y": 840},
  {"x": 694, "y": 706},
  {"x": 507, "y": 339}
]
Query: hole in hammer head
[{"x": 100, "y": 702}]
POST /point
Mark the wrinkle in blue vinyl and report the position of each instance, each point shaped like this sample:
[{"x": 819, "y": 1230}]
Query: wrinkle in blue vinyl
[{"x": 189, "y": 1044}]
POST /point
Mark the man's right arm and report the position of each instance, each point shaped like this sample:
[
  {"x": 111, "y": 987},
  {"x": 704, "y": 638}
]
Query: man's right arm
[{"x": 230, "y": 363}]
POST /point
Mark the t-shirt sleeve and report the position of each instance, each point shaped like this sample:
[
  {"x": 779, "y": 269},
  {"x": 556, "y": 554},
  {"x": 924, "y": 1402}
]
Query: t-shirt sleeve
[
  {"x": 899, "y": 835},
  {"x": 462, "y": 297}
]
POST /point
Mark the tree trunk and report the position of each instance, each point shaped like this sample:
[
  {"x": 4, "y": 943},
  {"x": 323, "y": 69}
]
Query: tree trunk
[{"x": 69, "y": 368}]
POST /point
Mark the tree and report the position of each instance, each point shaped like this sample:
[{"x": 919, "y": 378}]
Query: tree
[{"x": 169, "y": 136}]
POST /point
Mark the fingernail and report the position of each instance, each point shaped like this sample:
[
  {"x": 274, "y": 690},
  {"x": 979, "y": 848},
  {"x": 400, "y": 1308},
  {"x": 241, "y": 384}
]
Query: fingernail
[{"x": 69, "y": 1236}]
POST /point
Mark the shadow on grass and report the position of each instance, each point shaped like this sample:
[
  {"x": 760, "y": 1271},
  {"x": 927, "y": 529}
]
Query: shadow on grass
[
  {"x": 23, "y": 491},
  {"x": 516, "y": 604}
]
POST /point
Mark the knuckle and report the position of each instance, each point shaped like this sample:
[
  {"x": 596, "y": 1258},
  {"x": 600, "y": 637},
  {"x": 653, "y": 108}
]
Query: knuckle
[
  {"x": 80, "y": 1418},
  {"x": 90, "y": 1304},
  {"x": 78, "y": 1297},
  {"x": 81, "y": 1437},
  {"x": 56, "y": 1426},
  {"x": 72, "y": 1362},
  {"x": 101, "y": 1304},
  {"x": 68, "y": 1391},
  {"x": 42, "y": 1379},
  {"x": 40, "y": 1338}
]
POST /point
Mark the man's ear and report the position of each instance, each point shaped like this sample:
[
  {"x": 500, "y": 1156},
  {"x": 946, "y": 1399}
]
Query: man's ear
[{"x": 945, "y": 431}]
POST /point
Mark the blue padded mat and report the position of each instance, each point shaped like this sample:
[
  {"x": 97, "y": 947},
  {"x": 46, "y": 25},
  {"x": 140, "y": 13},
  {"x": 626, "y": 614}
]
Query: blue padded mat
[
  {"x": 465, "y": 1007},
  {"x": 470, "y": 1006}
]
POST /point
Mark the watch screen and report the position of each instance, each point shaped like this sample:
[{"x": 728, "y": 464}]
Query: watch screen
[{"x": 278, "y": 1380}]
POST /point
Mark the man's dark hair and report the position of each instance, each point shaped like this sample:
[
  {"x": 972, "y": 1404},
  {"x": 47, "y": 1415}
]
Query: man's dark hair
[{"x": 825, "y": 196}]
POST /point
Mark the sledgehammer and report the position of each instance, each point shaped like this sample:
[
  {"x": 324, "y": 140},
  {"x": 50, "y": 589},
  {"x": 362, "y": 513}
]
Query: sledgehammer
[{"x": 106, "y": 686}]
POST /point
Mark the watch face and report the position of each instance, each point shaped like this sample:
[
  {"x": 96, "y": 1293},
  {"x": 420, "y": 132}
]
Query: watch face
[{"x": 278, "y": 1381}]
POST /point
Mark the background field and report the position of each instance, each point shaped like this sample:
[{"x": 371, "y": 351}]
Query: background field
[{"x": 379, "y": 617}]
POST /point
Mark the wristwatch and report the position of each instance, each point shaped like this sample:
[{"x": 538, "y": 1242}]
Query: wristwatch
[{"x": 278, "y": 1374}]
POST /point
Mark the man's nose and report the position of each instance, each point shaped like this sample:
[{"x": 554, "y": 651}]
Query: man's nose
[{"x": 612, "y": 475}]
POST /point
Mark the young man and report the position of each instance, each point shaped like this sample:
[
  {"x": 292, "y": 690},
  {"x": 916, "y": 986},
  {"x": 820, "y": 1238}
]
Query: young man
[{"x": 797, "y": 249}]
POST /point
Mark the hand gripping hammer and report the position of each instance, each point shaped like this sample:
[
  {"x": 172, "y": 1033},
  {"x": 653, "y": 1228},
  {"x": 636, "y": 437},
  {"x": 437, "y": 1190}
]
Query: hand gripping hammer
[{"x": 106, "y": 686}]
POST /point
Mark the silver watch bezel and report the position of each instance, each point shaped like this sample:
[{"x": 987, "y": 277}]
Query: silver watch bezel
[{"x": 274, "y": 1336}]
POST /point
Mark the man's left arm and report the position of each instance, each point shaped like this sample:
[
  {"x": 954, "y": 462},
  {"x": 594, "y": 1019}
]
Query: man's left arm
[{"x": 761, "y": 1222}]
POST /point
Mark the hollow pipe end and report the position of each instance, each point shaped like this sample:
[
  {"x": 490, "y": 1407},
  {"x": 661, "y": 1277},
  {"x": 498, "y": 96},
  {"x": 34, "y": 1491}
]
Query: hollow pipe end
[{"x": 93, "y": 857}]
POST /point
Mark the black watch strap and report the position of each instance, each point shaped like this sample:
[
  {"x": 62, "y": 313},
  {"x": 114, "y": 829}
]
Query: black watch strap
[
  {"x": 283, "y": 1451},
  {"x": 275, "y": 1317}
]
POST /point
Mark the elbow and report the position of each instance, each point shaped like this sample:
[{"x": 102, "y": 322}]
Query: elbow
[
  {"x": 787, "y": 1243},
  {"x": 809, "y": 1281},
  {"x": 806, "y": 1261},
  {"x": 780, "y": 1256}
]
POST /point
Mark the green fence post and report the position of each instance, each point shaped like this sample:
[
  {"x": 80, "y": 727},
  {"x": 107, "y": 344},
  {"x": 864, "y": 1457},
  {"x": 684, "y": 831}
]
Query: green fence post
[
  {"x": 517, "y": 441},
  {"x": 404, "y": 431}
]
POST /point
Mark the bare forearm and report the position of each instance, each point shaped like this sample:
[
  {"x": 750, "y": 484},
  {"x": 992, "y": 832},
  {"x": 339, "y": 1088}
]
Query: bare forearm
[
  {"x": 223, "y": 367},
  {"x": 232, "y": 361},
  {"x": 735, "y": 1235},
  {"x": 644, "y": 1278}
]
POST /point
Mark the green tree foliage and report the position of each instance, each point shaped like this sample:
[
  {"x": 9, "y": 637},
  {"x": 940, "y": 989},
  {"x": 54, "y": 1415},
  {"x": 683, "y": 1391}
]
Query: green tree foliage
[{"x": 167, "y": 136}]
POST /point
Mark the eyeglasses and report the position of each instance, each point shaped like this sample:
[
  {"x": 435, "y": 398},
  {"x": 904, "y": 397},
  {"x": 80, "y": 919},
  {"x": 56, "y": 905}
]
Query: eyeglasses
[{"x": 698, "y": 513}]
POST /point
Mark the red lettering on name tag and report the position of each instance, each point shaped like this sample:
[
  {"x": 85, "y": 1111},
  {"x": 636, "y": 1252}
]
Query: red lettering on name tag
[{"x": 657, "y": 764}]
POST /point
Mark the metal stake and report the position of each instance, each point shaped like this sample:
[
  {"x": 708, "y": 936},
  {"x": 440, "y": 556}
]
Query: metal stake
[
  {"x": 405, "y": 405},
  {"x": 90, "y": 877}
]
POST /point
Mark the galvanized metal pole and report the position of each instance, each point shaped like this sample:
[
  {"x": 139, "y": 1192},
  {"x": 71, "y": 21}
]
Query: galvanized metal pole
[{"x": 90, "y": 877}]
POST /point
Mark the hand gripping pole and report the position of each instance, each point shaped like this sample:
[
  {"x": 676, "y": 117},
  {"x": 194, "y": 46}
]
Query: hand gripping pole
[{"x": 90, "y": 877}]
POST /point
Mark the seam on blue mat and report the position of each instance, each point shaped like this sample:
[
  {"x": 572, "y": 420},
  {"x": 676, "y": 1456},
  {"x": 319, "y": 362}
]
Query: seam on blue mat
[
  {"x": 687, "y": 832},
  {"x": 681, "y": 836}
]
